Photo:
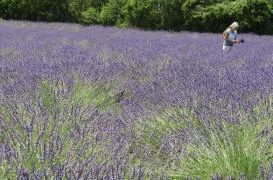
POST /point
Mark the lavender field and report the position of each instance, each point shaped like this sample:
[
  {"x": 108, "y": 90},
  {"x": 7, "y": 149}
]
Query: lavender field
[{"x": 107, "y": 103}]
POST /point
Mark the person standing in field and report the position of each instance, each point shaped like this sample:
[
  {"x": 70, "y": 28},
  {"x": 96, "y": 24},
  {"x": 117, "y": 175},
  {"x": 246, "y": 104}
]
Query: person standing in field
[{"x": 230, "y": 35}]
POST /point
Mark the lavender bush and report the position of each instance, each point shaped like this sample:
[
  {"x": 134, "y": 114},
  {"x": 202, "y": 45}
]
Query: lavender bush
[{"x": 107, "y": 103}]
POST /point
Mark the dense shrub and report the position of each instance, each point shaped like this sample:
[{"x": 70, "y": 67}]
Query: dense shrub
[
  {"x": 171, "y": 15},
  {"x": 90, "y": 16},
  {"x": 251, "y": 14},
  {"x": 155, "y": 14},
  {"x": 193, "y": 15},
  {"x": 256, "y": 14},
  {"x": 77, "y": 7},
  {"x": 111, "y": 12},
  {"x": 145, "y": 13},
  {"x": 37, "y": 10}
]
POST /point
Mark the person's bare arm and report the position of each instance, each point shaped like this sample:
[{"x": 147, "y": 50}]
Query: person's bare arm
[
  {"x": 236, "y": 41},
  {"x": 225, "y": 36}
]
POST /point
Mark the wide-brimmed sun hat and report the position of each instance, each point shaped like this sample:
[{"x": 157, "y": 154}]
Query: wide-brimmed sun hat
[{"x": 234, "y": 25}]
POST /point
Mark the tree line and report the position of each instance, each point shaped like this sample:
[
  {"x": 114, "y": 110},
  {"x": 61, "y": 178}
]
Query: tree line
[{"x": 175, "y": 15}]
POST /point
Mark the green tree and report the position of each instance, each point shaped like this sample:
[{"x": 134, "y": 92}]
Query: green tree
[
  {"x": 90, "y": 16},
  {"x": 171, "y": 14},
  {"x": 111, "y": 12},
  {"x": 252, "y": 15},
  {"x": 255, "y": 15},
  {"x": 45, "y": 10},
  {"x": 76, "y": 7},
  {"x": 143, "y": 13},
  {"x": 192, "y": 15}
]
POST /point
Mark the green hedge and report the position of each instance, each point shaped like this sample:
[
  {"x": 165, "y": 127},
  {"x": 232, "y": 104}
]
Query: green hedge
[
  {"x": 191, "y": 15},
  {"x": 89, "y": 16},
  {"x": 111, "y": 12},
  {"x": 154, "y": 14},
  {"x": 36, "y": 10},
  {"x": 252, "y": 15}
]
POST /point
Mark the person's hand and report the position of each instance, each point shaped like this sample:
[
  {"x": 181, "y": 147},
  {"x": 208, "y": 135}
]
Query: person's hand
[{"x": 236, "y": 42}]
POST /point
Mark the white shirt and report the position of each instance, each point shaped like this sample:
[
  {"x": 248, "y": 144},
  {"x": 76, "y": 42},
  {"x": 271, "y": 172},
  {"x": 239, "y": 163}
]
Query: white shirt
[{"x": 231, "y": 37}]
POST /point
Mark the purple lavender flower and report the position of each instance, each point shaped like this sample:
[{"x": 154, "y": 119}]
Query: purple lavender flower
[{"x": 87, "y": 102}]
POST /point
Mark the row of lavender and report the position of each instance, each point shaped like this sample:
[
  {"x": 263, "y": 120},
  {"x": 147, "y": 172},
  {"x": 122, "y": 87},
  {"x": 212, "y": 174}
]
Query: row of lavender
[{"x": 77, "y": 101}]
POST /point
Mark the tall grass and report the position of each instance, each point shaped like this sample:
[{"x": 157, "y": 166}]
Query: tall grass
[
  {"x": 232, "y": 149},
  {"x": 47, "y": 133},
  {"x": 53, "y": 133},
  {"x": 157, "y": 138},
  {"x": 224, "y": 149}
]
